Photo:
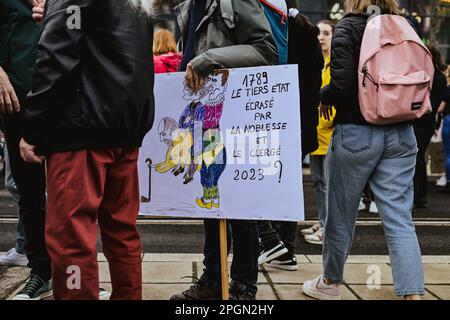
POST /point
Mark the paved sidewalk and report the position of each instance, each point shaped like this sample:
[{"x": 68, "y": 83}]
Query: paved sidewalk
[{"x": 165, "y": 274}]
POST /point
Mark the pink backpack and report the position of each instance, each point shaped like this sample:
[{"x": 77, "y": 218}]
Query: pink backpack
[{"x": 395, "y": 72}]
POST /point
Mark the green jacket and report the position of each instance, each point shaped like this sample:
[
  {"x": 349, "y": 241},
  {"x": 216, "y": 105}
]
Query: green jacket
[
  {"x": 248, "y": 43},
  {"x": 19, "y": 36}
]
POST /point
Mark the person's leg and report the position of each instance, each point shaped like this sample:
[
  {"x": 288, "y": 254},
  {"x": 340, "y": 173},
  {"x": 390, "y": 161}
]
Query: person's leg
[
  {"x": 10, "y": 185},
  {"x": 211, "y": 273},
  {"x": 317, "y": 166},
  {"x": 288, "y": 231},
  {"x": 244, "y": 269},
  {"x": 268, "y": 235},
  {"x": 392, "y": 185},
  {"x": 423, "y": 137},
  {"x": 75, "y": 190},
  {"x": 208, "y": 287},
  {"x": 446, "y": 138},
  {"x": 354, "y": 154},
  {"x": 117, "y": 219},
  {"x": 30, "y": 182}
]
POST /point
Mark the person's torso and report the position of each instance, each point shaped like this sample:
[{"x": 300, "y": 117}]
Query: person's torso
[
  {"x": 165, "y": 63},
  {"x": 438, "y": 92},
  {"x": 212, "y": 31},
  {"x": 18, "y": 43},
  {"x": 107, "y": 99},
  {"x": 276, "y": 13},
  {"x": 325, "y": 127},
  {"x": 347, "y": 108}
]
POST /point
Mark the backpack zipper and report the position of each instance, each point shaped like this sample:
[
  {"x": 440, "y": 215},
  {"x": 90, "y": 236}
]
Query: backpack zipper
[{"x": 367, "y": 75}]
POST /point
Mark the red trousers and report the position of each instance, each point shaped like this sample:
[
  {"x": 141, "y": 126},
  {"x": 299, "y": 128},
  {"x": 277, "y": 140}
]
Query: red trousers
[{"x": 85, "y": 187}]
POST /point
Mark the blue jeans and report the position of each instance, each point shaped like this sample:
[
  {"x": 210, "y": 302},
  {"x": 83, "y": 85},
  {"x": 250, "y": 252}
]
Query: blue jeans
[
  {"x": 446, "y": 139},
  {"x": 318, "y": 173},
  {"x": 384, "y": 156}
]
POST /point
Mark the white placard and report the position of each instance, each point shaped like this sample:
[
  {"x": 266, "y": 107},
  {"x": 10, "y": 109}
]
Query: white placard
[{"x": 230, "y": 151}]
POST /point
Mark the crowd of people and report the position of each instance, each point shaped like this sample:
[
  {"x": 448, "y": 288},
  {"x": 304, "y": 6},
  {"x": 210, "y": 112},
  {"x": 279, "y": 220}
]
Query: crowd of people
[{"x": 80, "y": 101}]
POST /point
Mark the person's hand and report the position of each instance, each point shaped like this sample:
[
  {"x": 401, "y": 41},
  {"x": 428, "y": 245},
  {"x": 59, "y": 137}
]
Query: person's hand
[
  {"x": 9, "y": 103},
  {"x": 326, "y": 112},
  {"x": 38, "y": 10},
  {"x": 33, "y": 2},
  {"x": 193, "y": 79},
  {"x": 28, "y": 153}
]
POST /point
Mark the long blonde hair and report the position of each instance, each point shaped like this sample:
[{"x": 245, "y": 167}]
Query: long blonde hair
[
  {"x": 163, "y": 42},
  {"x": 361, "y": 6}
]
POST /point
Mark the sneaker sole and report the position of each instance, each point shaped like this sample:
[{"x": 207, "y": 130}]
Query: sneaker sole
[
  {"x": 47, "y": 294},
  {"x": 319, "y": 296},
  {"x": 281, "y": 267},
  {"x": 273, "y": 256},
  {"x": 13, "y": 264}
]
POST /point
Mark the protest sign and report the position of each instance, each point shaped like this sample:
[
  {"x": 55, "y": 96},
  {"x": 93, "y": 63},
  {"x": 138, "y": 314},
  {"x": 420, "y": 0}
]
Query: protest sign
[{"x": 230, "y": 151}]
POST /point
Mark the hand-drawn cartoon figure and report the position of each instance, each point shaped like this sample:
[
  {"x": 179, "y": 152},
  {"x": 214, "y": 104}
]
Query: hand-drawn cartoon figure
[
  {"x": 167, "y": 131},
  {"x": 191, "y": 122},
  {"x": 214, "y": 152},
  {"x": 196, "y": 140}
]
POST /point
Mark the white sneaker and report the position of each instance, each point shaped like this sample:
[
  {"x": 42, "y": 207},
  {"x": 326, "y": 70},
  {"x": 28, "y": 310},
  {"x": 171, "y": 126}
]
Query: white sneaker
[
  {"x": 317, "y": 289},
  {"x": 373, "y": 207},
  {"x": 362, "y": 205},
  {"x": 104, "y": 295},
  {"x": 311, "y": 230},
  {"x": 12, "y": 258},
  {"x": 441, "y": 182},
  {"x": 316, "y": 238},
  {"x": 271, "y": 254},
  {"x": 286, "y": 262}
]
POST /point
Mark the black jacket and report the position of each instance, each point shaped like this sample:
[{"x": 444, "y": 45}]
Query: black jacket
[
  {"x": 18, "y": 34},
  {"x": 342, "y": 92},
  {"x": 93, "y": 86},
  {"x": 304, "y": 50}
]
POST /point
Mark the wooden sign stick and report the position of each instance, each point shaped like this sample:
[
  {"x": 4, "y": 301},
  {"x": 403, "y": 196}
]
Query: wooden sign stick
[{"x": 224, "y": 259}]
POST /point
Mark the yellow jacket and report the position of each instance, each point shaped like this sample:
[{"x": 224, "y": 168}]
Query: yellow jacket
[{"x": 325, "y": 128}]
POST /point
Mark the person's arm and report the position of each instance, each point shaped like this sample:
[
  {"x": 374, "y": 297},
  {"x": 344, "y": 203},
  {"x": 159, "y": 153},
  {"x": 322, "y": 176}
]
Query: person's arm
[
  {"x": 442, "y": 107},
  {"x": 9, "y": 103},
  {"x": 256, "y": 45},
  {"x": 58, "y": 59},
  {"x": 343, "y": 67}
]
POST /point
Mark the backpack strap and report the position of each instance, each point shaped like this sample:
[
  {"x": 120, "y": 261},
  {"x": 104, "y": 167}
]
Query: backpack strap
[{"x": 226, "y": 7}]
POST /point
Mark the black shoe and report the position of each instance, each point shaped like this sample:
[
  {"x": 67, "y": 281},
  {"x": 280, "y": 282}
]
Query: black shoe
[
  {"x": 240, "y": 291},
  {"x": 200, "y": 291},
  {"x": 286, "y": 262},
  {"x": 35, "y": 289},
  {"x": 270, "y": 254}
]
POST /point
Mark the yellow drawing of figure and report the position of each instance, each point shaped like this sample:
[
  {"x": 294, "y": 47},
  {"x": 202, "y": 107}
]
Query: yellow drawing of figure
[{"x": 179, "y": 144}]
